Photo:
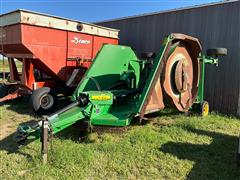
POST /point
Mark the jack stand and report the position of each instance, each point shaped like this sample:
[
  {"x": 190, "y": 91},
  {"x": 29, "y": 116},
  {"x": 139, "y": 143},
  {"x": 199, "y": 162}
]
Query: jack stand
[
  {"x": 89, "y": 127},
  {"x": 44, "y": 140}
]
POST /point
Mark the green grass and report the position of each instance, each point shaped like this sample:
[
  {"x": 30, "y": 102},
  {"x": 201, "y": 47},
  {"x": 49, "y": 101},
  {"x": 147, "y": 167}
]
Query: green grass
[
  {"x": 170, "y": 146},
  {"x": 5, "y": 67}
]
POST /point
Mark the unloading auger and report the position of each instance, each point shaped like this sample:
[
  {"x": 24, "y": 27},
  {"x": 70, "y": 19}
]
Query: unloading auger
[{"x": 119, "y": 86}]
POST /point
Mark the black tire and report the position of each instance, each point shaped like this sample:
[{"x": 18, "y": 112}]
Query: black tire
[
  {"x": 200, "y": 108},
  {"x": 217, "y": 52},
  {"x": 43, "y": 100},
  {"x": 3, "y": 90}
]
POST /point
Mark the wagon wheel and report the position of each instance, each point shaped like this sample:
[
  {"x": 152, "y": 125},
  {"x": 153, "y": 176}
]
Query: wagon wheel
[{"x": 43, "y": 100}]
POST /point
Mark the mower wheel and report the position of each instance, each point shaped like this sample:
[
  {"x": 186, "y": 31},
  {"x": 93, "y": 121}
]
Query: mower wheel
[
  {"x": 217, "y": 52},
  {"x": 43, "y": 100},
  {"x": 3, "y": 90},
  {"x": 204, "y": 108}
]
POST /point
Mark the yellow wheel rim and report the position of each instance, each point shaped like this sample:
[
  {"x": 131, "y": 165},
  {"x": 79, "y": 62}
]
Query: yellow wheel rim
[{"x": 205, "y": 109}]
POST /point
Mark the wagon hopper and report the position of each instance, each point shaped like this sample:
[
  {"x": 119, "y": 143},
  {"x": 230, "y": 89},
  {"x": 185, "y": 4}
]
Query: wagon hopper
[{"x": 54, "y": 53}]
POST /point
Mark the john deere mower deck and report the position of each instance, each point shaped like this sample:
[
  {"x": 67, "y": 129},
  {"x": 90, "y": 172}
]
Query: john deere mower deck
[{"x": 119, "y": 86}]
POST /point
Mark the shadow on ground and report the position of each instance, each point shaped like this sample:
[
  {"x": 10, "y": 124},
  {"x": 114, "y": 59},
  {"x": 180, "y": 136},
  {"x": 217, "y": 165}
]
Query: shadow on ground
[
  {"x": 22, "y": 106},
  {"x": 10, "y": 145},
  {"x": 78, "y": 132},
  {"x": 212, "y": 161}
]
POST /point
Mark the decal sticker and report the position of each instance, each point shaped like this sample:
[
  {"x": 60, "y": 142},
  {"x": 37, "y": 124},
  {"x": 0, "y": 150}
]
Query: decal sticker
[
  {"x": 101, "y": 97},
  {"x": 77, "y": 40}
]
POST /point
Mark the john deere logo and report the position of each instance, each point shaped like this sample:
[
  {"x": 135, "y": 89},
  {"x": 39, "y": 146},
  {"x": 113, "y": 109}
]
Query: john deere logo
[
  {"x": 77, "y": 40},
  {"x": 101, "y": 97}
]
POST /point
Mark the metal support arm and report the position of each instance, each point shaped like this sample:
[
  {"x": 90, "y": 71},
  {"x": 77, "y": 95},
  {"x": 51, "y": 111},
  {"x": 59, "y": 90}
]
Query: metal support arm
[{"x": 204, "y": 60}]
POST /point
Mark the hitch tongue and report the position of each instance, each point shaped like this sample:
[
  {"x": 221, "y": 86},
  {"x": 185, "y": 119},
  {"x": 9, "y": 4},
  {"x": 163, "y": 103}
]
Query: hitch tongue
[
  {"x": 41, "y": 129},
  {"x": 24, "y": 131},
  {"x": 33, "y": 131}
]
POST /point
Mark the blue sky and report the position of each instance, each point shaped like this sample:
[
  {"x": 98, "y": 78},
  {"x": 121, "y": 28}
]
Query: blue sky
[{"x": 93, "y": 10}]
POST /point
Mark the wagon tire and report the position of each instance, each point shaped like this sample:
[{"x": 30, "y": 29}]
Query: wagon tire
[
  {"x": 217, "y": 52},
  {"x": 43, "y": 100}
]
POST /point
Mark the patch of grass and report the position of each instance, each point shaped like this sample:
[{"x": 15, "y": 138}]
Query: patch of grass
[
  {"x": 4, "y": 67},
  {"x": 169, "y": 146}
]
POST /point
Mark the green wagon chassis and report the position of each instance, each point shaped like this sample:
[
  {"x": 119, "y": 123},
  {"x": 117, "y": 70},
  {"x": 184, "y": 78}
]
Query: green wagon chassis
[{"x": 117, "y": 88}]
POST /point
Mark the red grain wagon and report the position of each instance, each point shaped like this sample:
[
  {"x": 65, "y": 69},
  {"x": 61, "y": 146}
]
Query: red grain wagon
[{"x": 54, "y": 52}]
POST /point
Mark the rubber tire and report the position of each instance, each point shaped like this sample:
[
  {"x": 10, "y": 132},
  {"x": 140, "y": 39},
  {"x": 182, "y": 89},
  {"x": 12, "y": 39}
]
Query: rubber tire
[
  {"x": 217, "y": 52},
  {"x": 202, "y": 106},
  {"x": 3, "y": 90},
  {"x": 36, "y": 97}
]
